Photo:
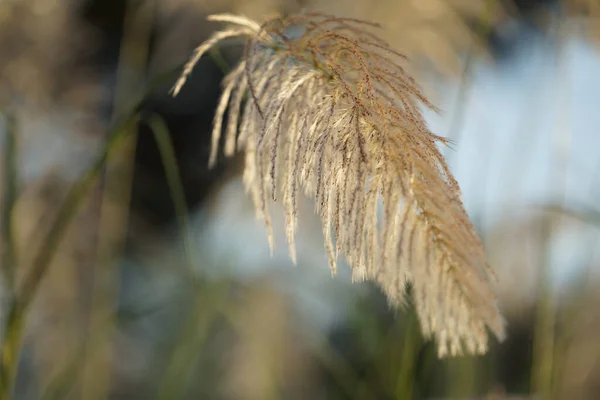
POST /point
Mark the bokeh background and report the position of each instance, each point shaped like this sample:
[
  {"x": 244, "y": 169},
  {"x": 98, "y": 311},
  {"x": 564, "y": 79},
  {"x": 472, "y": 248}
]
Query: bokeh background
[{"x": 143, "y": 300}]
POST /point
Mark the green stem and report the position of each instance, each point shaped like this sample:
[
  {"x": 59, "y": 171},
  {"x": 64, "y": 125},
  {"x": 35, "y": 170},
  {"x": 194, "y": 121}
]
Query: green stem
[
  {"x": 9, "y": 262},
  {"x": 198, "y": 324},
  {"x": 192, "y": 338},
  {"x": 544, "y": 334},
  {"x": 410, "y": 349},
  {"x": 11, "y": 345},
  {"x": 10, "y": 194},
  {"x": 169, "y": 160}
]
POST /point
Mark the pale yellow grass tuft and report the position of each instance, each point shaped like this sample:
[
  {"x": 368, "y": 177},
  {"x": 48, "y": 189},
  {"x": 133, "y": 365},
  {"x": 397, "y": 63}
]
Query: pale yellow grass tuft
[{"x": 331, "y": 111}]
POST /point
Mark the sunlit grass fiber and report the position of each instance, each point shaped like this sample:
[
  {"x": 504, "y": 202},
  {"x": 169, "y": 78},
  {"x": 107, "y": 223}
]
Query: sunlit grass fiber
[{"x": 331, "y": 112}]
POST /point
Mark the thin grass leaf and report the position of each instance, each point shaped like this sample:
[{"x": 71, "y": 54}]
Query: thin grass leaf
[
  {"x": 11, "y": 338},
  {"x": 9, "y": 191}
]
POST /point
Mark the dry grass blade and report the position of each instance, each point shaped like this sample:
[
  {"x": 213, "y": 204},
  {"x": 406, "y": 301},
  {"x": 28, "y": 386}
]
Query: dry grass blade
[{"x": 332, "y": 112}]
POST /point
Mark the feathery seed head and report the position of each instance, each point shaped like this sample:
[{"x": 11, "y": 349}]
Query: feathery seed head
[{"x": 330, "y": 111}]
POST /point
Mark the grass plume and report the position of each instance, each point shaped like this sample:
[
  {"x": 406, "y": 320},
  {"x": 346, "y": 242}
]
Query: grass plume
[{"x": 331, "y": 112}]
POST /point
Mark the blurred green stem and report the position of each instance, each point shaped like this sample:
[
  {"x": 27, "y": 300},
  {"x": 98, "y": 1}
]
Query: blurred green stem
[
  {"x": 546, "y": 341},
  {"x": 11, "y": 338},
  {"x": 180, "y": 362},
  {"x": 205, "y": 308},
  {"x": 410, "y": 351},
  {"x": 10, "y": 194},
  {"x": 169, "y": 160},
  {"x": 543, "y": 348},
  {"x": 9, "y": 262},
  {"x": 342, "y": 371}
]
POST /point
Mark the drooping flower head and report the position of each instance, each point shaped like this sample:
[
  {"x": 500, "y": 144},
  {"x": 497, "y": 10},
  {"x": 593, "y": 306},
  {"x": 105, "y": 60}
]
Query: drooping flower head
[{"x": 322, "y": 105}]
